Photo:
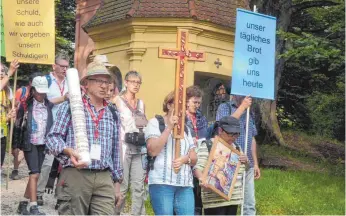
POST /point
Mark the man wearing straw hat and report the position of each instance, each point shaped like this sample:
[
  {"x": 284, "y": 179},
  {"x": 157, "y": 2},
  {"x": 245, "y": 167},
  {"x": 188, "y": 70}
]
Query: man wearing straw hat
[{"x": 88, "y": 189}]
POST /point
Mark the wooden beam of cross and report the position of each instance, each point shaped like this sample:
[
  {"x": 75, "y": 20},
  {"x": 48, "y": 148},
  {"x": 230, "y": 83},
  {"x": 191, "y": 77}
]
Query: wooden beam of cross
[{"x": 181, "y": 54}]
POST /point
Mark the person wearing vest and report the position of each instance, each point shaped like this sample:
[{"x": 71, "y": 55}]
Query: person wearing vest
[
  {"x": 21, "y": 96},
  {"x": 6, "y": 113},
  {"x": 88, "y": 189},
  {"x": 237, "y": 108},
  {"x": 195, "y": 120},
  {"x": 214, "y": 204},
  {"x": 170, "y": 192},
  {"x": 33, "y": 122},
  {"x": 133, "y": 122},
  {"x": 198, "y": 126},
  {"x": 58, "y": 93}
]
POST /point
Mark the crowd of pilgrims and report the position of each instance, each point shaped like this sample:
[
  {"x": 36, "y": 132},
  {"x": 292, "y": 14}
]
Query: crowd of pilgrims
[{"x": 127, "y": 150}]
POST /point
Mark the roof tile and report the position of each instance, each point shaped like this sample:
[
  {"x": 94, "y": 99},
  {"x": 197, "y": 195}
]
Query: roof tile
[{"x": 221, "y": 12}]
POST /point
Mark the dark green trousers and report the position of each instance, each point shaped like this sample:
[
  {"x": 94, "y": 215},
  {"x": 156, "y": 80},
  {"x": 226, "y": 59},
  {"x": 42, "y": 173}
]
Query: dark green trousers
[{"x": 85, "y": 192}]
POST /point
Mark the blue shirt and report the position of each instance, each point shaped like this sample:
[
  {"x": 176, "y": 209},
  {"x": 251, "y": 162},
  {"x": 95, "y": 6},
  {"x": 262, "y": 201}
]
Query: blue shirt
[
  {"x": 228, "y": 108},
  {"x": 56, "y": 90}
]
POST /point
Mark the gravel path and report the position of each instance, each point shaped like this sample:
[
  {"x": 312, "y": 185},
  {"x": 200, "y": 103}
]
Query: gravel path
[{"x": 10, "y": 198}]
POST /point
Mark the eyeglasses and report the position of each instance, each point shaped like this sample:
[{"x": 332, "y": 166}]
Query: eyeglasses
[
  {"x": 231, "y": 134},
  {"x": 63, "y": 66},
  {"x": 234, "y": 134},
  {"x": 100, "y": 82},
  {"x": 134, "y": 82}
]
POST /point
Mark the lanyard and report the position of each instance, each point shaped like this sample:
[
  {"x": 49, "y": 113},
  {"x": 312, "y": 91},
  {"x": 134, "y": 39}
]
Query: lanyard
[
  {"x": 93, "y": 117},
  {"x": 63, "y": 87}
]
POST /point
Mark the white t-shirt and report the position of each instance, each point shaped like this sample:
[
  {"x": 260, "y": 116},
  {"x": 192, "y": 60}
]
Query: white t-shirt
[
  {"x": 56, "y": 91},
  {"x": 163, "y": 172}
]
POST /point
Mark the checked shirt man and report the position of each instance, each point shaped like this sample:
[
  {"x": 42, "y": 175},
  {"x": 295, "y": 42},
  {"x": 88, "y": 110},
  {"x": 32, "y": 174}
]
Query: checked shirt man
[{"x": 82, "y": 189}]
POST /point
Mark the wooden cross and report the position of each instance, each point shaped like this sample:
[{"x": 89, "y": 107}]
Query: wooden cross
[{"x": 181, "y": 54}]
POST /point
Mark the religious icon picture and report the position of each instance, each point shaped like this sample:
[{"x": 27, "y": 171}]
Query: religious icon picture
[{"x": 222, "y": 168}]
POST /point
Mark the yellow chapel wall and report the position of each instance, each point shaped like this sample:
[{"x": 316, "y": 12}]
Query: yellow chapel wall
[{"x": 139, "y": 50}]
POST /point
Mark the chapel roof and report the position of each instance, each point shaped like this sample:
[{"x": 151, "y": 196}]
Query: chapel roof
[{"x": 221, "y": 12}]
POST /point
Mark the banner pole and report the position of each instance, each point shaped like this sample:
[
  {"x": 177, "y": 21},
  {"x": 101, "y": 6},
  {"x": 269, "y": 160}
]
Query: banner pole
[
  {"x": 11, "y": 131},
  {"x": 245, "y": 152}
]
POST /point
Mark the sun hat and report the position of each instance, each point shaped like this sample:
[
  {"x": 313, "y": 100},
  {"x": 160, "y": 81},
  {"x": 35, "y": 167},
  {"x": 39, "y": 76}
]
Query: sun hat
[
  {"x": 41, "y": 84},
  {"x": 95, "y": 68}
]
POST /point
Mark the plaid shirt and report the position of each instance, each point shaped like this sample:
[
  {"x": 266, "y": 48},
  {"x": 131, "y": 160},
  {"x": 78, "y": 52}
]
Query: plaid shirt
[
  {"x": 61, "y": 136},
  {"x": 226, "y": 109}
]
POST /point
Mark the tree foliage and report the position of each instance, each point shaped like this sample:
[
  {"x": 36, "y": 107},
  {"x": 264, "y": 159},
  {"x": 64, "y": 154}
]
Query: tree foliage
[
  {"x": 311, "y": 96},
  {"x": 310, "y": 51}
]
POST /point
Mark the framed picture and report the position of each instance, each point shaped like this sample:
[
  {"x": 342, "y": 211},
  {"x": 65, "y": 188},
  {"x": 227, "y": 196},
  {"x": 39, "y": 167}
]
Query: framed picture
[{"x": 222, "y": 168}]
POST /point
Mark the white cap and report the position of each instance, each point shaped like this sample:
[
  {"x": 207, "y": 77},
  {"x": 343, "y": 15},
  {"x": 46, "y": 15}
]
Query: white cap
[
  {"x": 103, "y": 59},
  {"x": 41, "y": 84}
]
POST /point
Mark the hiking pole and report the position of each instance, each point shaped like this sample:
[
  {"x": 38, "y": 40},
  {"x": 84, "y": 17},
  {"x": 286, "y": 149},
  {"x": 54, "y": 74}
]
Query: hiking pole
[
  {"x": 245, "y": 152},
  {"x": 11, "y": 131}
]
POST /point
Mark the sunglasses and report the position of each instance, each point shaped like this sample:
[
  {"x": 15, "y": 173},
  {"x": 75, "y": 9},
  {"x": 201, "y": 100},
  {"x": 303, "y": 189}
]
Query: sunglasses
[{"x": 231, "y": 134}]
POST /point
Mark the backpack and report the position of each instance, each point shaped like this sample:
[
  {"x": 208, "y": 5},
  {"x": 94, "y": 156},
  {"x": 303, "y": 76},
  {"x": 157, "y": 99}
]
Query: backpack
[
  {"x": 162, "y": 127},
  {"x": 22, "y": 96}
]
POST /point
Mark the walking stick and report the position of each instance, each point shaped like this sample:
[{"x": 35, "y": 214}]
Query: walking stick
[{"x": 11, "y": 131}]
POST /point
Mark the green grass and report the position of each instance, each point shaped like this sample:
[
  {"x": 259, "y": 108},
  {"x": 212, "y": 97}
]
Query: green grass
[
  {"x": 292, "y": 192},
  {"x": 148, "y": 208},
  {"x": 318, "y": 189}
]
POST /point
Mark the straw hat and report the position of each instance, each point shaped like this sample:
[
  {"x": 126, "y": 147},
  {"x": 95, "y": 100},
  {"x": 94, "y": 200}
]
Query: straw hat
[
  {"x": 103, "y": 59},
  {"x": 95, "y": 68}
]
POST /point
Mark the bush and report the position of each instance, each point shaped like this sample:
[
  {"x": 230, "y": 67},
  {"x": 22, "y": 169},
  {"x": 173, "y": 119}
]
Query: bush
[{"x": 327, "y": 114}]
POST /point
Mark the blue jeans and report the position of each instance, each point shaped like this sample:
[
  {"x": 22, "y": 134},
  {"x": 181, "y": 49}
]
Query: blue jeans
[
  {"x": 166, "y": 198},
  {"x": 249, "y": 196}
]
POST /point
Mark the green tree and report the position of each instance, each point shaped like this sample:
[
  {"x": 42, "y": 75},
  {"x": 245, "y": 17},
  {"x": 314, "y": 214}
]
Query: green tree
[
  {"x": 312, "y": 85},
  {"x": 289, "y": 14}
]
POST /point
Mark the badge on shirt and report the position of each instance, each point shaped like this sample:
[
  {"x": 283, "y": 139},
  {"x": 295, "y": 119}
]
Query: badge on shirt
[{"x": 95, "y": 152}]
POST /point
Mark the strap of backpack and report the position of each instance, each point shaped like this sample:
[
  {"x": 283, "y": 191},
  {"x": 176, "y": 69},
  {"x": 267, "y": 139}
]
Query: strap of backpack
[
  {"x": 162, "y": 125},
  {"x": 49, "y": 79},
  {"x": 209, "y": 144},
  {"x": 161, "y": 121},
  {"x": 113, "y": 111},
  {"x": 129, "y": 106},
  {"x": 229, "y": 104}
]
